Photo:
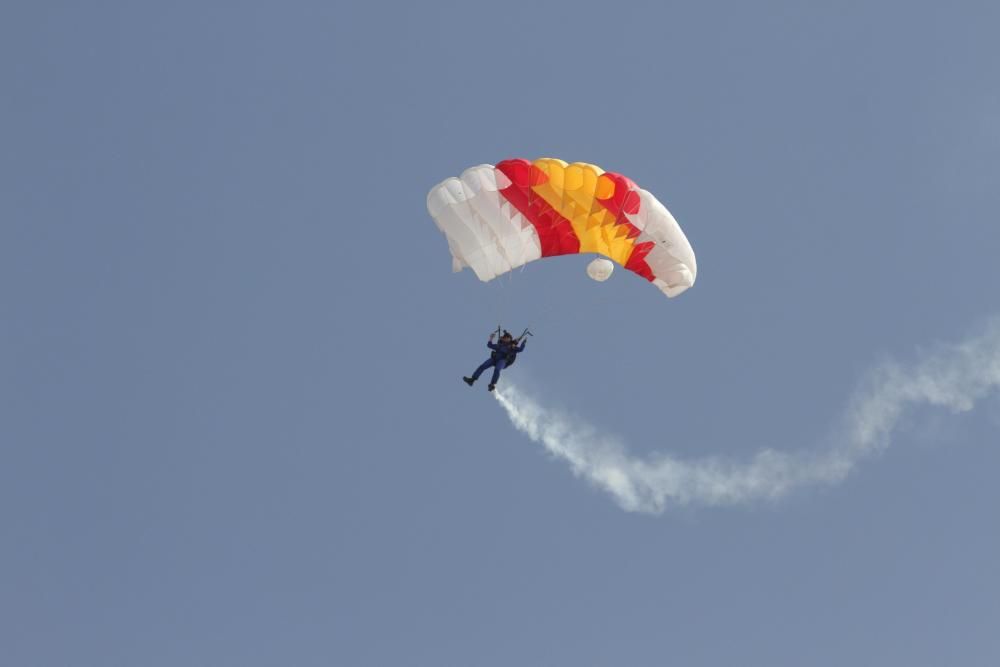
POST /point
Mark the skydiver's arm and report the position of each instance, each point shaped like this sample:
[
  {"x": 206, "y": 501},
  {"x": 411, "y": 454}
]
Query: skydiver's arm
[
  {"x": 520, "y": 348},
  {"x": 492, "y": 345}
]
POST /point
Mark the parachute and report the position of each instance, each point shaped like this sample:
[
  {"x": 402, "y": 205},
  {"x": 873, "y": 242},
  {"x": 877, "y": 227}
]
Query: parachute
[{"x": 498, "y": 218}]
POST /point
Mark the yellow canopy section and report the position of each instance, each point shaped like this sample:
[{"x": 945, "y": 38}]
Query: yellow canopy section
[{"x": 576, "y": 192}]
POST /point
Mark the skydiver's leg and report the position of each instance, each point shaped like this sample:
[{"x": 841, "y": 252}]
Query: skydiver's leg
[
  {"x": 482, "y": 367},
  {"x": 499, "y": 366}
]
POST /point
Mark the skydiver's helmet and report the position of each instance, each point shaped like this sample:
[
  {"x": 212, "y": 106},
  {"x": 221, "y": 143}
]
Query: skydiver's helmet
[{"x": 506, "y": 336}]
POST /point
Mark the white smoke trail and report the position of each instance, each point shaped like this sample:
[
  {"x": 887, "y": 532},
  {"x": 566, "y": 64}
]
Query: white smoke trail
[{"x": 953, "y": 376}]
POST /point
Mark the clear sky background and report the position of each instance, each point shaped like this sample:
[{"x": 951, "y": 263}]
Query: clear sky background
[{"x": 232, "y": 425}]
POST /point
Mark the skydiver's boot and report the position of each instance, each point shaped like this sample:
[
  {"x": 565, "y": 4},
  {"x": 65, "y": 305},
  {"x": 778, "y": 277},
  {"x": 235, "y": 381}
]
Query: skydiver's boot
[
  {"x": 491, "y": 387},
  {"x": 468, "y": 381}
]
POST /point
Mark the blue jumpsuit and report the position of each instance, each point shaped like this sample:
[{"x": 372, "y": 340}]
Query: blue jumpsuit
[{"x": 503, "y": 353}]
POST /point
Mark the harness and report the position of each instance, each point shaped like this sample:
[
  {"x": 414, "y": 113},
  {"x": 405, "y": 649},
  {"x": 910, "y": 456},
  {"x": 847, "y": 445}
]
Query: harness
[{"x": 510, "y": 355}]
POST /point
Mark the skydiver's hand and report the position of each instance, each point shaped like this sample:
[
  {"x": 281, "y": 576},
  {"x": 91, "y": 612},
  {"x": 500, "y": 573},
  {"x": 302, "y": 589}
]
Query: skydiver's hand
[{"x": 491, "y": 337}]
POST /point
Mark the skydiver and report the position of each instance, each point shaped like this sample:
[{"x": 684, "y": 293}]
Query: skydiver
[{"x": 504, "y": 353}]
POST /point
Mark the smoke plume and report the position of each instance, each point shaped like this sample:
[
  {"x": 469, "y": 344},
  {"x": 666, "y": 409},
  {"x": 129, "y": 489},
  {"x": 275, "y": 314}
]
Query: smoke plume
[{"x": 954, "y": 377}]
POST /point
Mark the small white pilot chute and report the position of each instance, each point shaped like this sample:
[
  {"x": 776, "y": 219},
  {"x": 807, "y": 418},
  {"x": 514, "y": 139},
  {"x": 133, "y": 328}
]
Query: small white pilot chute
[{"x": 600, "y": 269}]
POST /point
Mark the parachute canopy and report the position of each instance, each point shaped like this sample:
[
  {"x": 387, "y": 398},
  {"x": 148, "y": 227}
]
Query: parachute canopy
[{"x": 497, "y": 218}]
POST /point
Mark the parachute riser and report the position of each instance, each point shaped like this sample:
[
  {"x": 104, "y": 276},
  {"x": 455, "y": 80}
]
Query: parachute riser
[{"x": 526, "y": 332}]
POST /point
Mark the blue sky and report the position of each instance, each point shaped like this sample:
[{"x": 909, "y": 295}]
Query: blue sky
[{"x": 233, "y": 427}]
